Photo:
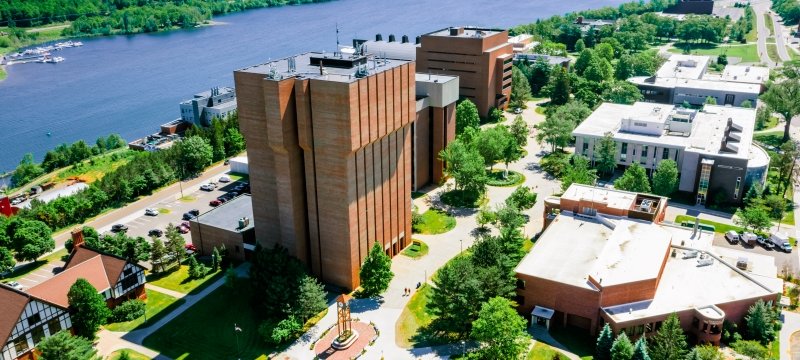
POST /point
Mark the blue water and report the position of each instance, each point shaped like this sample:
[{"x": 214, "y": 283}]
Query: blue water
[{"x": 131, "y": 84}]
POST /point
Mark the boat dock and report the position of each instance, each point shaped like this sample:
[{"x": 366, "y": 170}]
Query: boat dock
[{"x": 40, "y": 54}]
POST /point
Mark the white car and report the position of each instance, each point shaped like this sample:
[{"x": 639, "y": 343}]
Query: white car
[
  {"x": 151, "y": 212},
  {"x": 15, "y": 285},
  {"x": 208, "y": 187},
  {"x": 224, "y": 179}
]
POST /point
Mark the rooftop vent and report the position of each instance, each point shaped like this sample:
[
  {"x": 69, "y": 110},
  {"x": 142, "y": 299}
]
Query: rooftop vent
[
  {"x": 378, "y": 37},
  {"x": 456, "y": 31},
  {"x": 404, "y": 39},
  {"x": 391, "y": 38},
  {"x": 418, "y": 40}
]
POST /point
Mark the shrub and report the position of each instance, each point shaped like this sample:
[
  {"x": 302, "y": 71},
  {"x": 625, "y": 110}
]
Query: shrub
[
  {"x": 129, "y": 310},
  {"x": 750, "y": 348},
  {"x": 285, "y": 330}
]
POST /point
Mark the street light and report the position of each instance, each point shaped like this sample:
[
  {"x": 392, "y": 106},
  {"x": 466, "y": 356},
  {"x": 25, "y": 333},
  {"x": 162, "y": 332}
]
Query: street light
[
  {"x": 462, "y": 244},
  {"x": 463, "y": 347}
]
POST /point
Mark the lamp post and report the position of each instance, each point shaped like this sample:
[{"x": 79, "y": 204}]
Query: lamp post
[
  {"x": 463, "y": 347},
  {"x": 462, "y": 244},
  {"x": 236, "y": 331}
]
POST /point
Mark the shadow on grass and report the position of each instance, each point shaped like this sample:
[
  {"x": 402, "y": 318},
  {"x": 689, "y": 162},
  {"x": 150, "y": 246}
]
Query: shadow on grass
[
  {"x": 164, "y": 312},
  {"x": 429, "y": 335}
]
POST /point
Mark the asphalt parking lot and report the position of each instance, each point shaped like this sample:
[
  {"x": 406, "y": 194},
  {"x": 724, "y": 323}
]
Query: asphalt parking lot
[
  {"x": 790, "y": 261},
  {"x": 139, "y": 224}
]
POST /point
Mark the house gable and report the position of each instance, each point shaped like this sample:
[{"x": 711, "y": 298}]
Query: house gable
[{"x": 37, "y": 321}]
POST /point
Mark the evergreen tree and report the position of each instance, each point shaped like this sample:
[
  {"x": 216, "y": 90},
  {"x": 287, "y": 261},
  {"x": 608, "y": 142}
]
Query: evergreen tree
[
  {"x": 176, "y": 245},
  {"x": 215, "y": 260},
  {"x": 376, "y": 271},
  {"x": 310, "y": 300},
  {"x": 669, "y": 342},
  {"x": 605, "y": 154},
  {"x": 622, "y": 349},
  {"x": 640, "y": 350},
  {"x": 157, "y": 254},
  {"x": 604, "y": 343},
  {"x": 584, "y": 59},
  {"x": 665, "y": 178},
  {"x": 453, "y": 297},
  {"x": 520, "y": 130},
  {"x": 760, "y": 321},
  {"x": 275, "y": 277},
  {"x": 580, "y": 45},
  {"x": 520, "y": 88},
  {"x": 89, "y": 310},
  {"x": 694, "y": 355},
  {"x": 466, "y": 116},
  {"x": 63, "y": 346},
  {"x": 559, "y": 94},
  {"x": 634, "y": 179}
]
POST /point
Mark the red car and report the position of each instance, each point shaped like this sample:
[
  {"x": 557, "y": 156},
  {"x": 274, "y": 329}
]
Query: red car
[
  {"x": 183, "y": 229},
  {"x": 215, "y": 203}
]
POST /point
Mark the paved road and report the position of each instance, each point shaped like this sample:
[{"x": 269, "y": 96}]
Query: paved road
[
  {"x": 780, "y": 37},
  {"x": 761, "y": 7},
  {"x": 385, "y": 312}
]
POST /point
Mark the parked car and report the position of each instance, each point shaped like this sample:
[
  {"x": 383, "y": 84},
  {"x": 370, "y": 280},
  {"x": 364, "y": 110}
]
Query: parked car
[
  {"x": 215, "y": 203},
  {"x": 186, "y": 224},
  {"x": 190, "y": 249},
  {"x": 224, "y": 179},
  {"x": 155, "y": 232},
  {"x": 732, "y": 237},
  {"x": 208, "y": 187},
  {"x": 781, "y": 240},
  {"x": 183, "y": 229},
  {"x": 15, "y": 285},
  {"x": 188, "y": 216},
  {"x": 765, "y": 242},
  {"x": 194, "y": 212},
  {"x": 119, "y": 228},
  {"x": 517, "y": 111},
  {"x": 151, "y": 212}
]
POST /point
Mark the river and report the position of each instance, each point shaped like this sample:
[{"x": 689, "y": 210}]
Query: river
[{"x": 131, "y": 84}]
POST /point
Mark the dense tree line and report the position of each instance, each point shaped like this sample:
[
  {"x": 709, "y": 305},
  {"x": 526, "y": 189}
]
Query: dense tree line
[
  {"x": 123, "y": 16},
  {"x": 146, "y": 172},
  {"x": 789, "y": 10},
  {"x": 23, "y": 240}
]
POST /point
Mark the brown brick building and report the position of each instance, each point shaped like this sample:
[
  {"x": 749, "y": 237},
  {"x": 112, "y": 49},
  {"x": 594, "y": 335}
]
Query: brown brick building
[
  {"x": 602, "y": 261},
  {"x": 481, "y": 58},
  {"x": 332, "y": 150}
]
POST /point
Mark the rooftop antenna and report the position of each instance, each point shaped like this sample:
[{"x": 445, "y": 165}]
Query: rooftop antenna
[{"x": 337, "y": 35}]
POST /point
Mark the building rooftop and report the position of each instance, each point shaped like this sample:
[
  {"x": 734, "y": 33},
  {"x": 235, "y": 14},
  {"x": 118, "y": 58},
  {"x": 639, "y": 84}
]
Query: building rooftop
[
  {"x": 337, "y": 67},
  {"x": 392, "y": 50},
  {"x": 227, "y": 215},
  {"x": 14, "y": 303},
  {"x": 616, "y": 199},
  {"x": 55, "y": 289},
  {"x": 222, "y": 90},
  {"x": 685, "y": 285},
  {"x": 684, "y": 67},
  {"x": 552, "y": 60},
  {"x": 612, "y": 252},
  {"x": 746, "y": 74},
  {"x": 654, "y": 124},
  {"x": 465, "y": 32},
  {"x": 705, "y": 83}
]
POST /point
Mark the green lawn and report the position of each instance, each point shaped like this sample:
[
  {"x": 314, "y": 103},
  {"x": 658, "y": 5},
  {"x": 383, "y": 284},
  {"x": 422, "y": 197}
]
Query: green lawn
[
  {"x": 179, "y": 280},
  {"x": 131, "y": 353},
  {"x": 794, "y": 55},
  {"x": 238, "y": 177},
  {"x": 718, "y": 227},
  {"x": 416, "y": 250},
  {"x": 512, "y": 179},
  {"x": 417, "y": 194},
  {"x": 413, "y": 318},
  {"x": 26, "y": 269},
  {"x": 158, "y": 306},
  {"x": 434, "y": 222},
  {"x": 748, "y": 53},
  {"x": 542, "y": 351},
  {"x": 768, "y": 21},
  {"x": 206, "y": 330},
  {"x": 577, "y": 341},
  {"x": 772, "y": 52},
  {"x": 95, "y": 168}
]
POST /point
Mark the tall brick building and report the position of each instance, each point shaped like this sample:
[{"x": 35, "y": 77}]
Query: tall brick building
[
  {"x": 481, "y": 58},
  {"x": 331, "y": 146}
]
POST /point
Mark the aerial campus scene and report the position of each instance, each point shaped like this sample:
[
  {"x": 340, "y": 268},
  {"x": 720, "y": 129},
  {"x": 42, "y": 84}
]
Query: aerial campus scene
[{"x": 342, "y": 179}]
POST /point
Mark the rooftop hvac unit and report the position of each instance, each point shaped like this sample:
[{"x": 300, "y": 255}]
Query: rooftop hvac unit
[
  {"x": 646, "y": 205},
  {"x": 705, "y": 262},
  {"x": 690, "y": 254}
]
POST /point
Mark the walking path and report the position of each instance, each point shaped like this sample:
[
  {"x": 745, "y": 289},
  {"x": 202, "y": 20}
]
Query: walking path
[
  {"x": 761, "y": 7},
  {"x": 385, "y": 312},
  {"x": 110, "y": 341}
]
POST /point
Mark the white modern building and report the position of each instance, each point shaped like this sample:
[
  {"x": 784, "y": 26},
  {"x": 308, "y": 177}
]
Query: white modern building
[
  {"x": 685, "y": 78},
  {"x": 712, "y": 147}
]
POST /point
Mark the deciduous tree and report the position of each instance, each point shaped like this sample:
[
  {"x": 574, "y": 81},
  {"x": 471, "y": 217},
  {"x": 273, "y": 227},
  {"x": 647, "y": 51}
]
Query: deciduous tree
[
  {"x": 6, "y": 260},
  {"x": 376, "y": 271},
  {"x": 605, "y": 152},
  {"x": 501, "y": 329},
  {"x": 520, "y": 130},
  {"x": 559, "y": 87},
  {"x": 578, "y": 173},
  {"x": 520, "y": 88},
  {"x": 522, "y": 198},
  {"x": 89, "y": 308},
  {"x": 466, "y": 116},
  {"x": 622, "y": 92},
  {"x": 634, "y": 179},
  {"x": 782, "y": 98},
  {"x": 452, "y": 299},
  {"x": 665, "y": 178}
]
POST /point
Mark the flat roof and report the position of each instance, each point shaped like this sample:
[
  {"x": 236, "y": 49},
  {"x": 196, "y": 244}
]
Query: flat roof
[
  {"x": 746, "y": 74},
  {"x": 469, "y": 32},
  {"x": 707, "y": 127},
  {"x": 684, "y": 66},
  {"x": 616, "y": 199},
  {"x": 433, "y": 78},
  {"x": 280, "y": 69},
  {"x": 392, "y": 50},
  {"x": 705, "y": 83},
  {"x": 227, "y": 215},
  {"x": 613, "y": 252},
  {"x": 685, "y": 285}
]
